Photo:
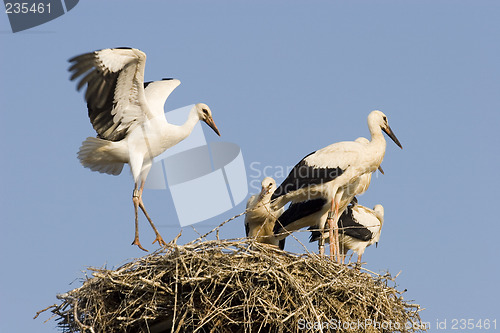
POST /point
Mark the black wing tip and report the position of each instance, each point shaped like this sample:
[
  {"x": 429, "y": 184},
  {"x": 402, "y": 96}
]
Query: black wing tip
[
  {"x": 79, "y": 57},
  {"x": 304, "y": 175},
  {"x": 164, "y": 79},
  {"x": 315, "y": 235},
  {"x": 297, "y": 211},
  {"x": 122, "y": 48}
]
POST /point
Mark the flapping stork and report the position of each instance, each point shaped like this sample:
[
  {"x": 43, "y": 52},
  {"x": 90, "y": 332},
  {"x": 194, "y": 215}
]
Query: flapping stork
[
  {"x": 327, "y": 173},
  {"x": 129, "y": 119},
  {"x": 260, "y": 217}
]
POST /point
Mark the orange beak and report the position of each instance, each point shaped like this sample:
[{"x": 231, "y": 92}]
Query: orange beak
[{"x": 210, "y": 122}]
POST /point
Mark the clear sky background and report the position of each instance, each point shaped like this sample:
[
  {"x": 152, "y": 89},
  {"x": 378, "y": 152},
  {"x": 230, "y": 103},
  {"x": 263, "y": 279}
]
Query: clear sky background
[{"x": 282, "y": 79}]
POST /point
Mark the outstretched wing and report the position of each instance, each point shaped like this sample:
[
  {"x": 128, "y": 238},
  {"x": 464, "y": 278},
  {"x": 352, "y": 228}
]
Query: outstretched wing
[
  {"x": 115, "y": 89},
  {"x": 157, "y": 93}
]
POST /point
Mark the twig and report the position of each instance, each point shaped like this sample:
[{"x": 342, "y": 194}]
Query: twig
[{"x": 49, "y": 307}]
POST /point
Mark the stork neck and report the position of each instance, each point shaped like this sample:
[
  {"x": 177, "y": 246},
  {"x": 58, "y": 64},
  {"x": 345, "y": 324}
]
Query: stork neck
[
  {"x": 376, "y": 134},
  {"x": 192, "y": 120},
  {"x": 377, "y": 147}
]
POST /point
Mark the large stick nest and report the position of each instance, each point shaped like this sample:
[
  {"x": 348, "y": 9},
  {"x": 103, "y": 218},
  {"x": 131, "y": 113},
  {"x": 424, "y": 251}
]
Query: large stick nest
[{"x": 234, "y": 286}]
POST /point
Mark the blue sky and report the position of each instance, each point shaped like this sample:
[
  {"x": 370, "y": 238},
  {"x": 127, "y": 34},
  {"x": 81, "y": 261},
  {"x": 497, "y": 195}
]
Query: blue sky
[{"x": 282, "y": 79}]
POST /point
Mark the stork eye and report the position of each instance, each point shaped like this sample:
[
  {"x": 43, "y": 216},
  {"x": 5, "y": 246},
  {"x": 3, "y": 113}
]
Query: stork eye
[
  {"x": 205, "y": 111},
  {"x": 385, "y": 118}
]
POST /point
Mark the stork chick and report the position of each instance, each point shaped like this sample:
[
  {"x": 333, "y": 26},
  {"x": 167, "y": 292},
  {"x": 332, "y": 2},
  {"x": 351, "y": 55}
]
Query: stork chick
[
  {"x": 359, "y": 227},
  {"x": 260, "y": 217}
]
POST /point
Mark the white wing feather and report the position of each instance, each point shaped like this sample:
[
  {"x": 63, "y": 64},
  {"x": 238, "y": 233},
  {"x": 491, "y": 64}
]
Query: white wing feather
[{"x": 130, "y": 105}]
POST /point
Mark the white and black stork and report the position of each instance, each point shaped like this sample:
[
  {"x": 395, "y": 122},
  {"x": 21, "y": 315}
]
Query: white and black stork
[
  {"x": 331, "y": 172},
  {"x": 128, "y": 116}
]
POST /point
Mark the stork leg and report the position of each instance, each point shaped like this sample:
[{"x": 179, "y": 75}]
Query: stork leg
[
  {"x": 350, "y": 257},
  {"x": 331, "y": 226},
  {"x": 321, "y": 245},
  {"x": 158, "y": 238},
  {"x": 342, "y": 255},
  {"x": 336, "y": 231},
  {"x": 135, "y": 199},
  {"x": 333, "y": 217}
]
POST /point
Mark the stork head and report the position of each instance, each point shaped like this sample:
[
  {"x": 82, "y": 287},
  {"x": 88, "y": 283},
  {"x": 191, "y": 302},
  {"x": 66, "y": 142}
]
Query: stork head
[
  {"x": 205, "y": 114},
  {"x": 379, "y": 211},
  {"x": 378, "y": 118},
  {"x": 268, "y": 187}
]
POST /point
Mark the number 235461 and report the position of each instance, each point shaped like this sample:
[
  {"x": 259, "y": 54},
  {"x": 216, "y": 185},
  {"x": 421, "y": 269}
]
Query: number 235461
[
  {"x": 473, "y": 324},
  {"x": 27, "y": 8}
]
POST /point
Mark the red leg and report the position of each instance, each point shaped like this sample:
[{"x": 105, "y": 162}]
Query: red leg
[
  {"x": 135, "y": 199},
  {"x": 350, "y": 257},
  {"x": 321, "y": 245},
  {"x": 336, "y": 230},
  {"x": 158, "y": 238},
  {"x": 330, "y": 233}
]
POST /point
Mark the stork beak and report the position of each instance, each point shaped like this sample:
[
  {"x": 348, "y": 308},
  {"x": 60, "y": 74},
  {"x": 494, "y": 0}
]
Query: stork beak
[
  {"x": 391, "y": 134},
  {"x": 210, "y": 122},
  {"x": 381, "y": 170},
  {"x": 263, "y": 191},
  {"x": 266, "y": 189}
]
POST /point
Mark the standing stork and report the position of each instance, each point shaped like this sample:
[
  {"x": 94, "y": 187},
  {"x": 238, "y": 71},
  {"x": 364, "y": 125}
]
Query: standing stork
[
  {"x": 328, "y": 172},
  {"x": 129, "y": 118},
  {"x": 313, "y": 213},
  {"x": 260, "y": 217},
  {"x": 359, "y": 227}
]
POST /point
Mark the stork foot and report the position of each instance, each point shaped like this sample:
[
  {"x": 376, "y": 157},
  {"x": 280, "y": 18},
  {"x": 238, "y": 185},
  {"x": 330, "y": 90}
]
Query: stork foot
[
  {"x": 136, "y": 242},
  {"x": 160, "y": 240}
]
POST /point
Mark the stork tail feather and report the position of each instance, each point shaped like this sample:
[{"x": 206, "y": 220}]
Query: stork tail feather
[{"x": 94, "y": 154}]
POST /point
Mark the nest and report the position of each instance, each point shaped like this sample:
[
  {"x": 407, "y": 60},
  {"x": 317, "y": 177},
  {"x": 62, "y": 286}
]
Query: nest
[{"x": 234, "y": 286}]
